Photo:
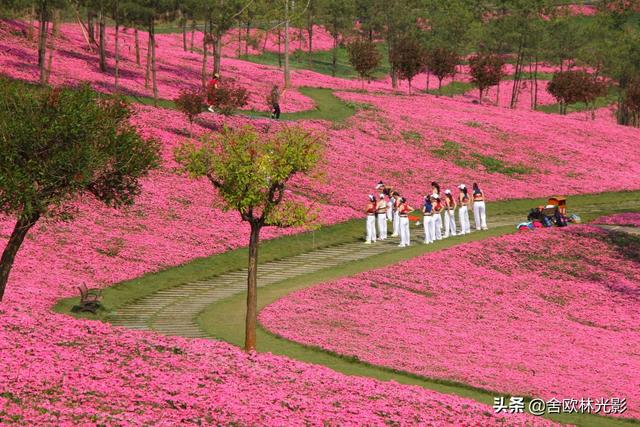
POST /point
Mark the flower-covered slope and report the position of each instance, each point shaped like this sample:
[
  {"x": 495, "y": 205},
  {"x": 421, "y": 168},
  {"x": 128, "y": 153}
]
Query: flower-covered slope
[{"x": 549, "y": 314}]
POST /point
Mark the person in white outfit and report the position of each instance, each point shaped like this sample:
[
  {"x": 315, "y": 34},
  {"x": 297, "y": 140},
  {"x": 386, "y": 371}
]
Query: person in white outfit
[
  {"x": 463, "y": 212},
  {"x": 449, "y": 214},
  {"x": 403, "y": 212},
  {"x": 371, "y": 220},
  {"x": 396, "y": 214},
  {"x": 381, "y": 214},
  {"x": 437, "y": 216},
  {"x": 479, "y": 208},
  {"x": 427, "y": 210}
]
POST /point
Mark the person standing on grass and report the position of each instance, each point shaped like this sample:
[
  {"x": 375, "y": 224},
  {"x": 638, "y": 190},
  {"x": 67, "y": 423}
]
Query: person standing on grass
[
  {"x": 371, "y": 220},
  {"x": 403, "y": 212},
  {"x": 449, "y": 214},
  {"x": 396, "y": 214},
  {"x": 381, "y": 213},
  {"x": 211, "y": 87},
  {"x": 427, "y": 221},
  {"x": 274, "y": 100},
  {"x": 479, "y": 208},
  {"x": 463, "y": 213},
  {"x": 437, "y": 216}
]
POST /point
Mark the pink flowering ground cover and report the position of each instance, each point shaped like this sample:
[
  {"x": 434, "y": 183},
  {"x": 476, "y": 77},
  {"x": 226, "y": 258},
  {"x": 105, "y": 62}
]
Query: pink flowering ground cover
[
  {"x": 546, "y": 314},
  {"x": 631, "y": 219}
]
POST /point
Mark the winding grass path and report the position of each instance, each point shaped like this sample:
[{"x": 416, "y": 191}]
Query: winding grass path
[{"x": 196, "y": 301}]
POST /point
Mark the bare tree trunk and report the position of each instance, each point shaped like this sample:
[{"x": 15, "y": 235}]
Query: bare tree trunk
[
  {"x": 204, "y": 57},
  {"x": 193, "y": 32},
  {"x": 279, "y": 48},
  {"x": 287, "y": 72},
  {"x": 184, "y": 33},
  {"x": 137, "y": 43},
  {"x": 334, "y": 56},
  {"x": 498, "y": 95},
  {"x": 22, "y": 227},
  {"x": 147, "y": 75},
  {"x": 103, "y": 57},
  {"x": 248, "y": 36},
  {"x": 52, "y": 42},
  {"x": 535, "y": 80},
  {"x": 154, "y": 80},
  {"x": 217, "y": 60},
  {"x": 252, "y": 290},
  {"x": 32, "y": 16},
  {"x": 517, "y": 76},
  {"x": 428, "y": 76},
  {"x": 91, "y": 27},
  {"x": 310, "y": 34},
  {"x": 42, "y": 44},
  {"x": 117, "y": 55},
  {"x": 239, "y": 50}
]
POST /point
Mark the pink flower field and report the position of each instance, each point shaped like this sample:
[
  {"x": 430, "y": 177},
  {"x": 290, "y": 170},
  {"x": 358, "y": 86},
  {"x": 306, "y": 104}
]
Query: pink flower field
[
  {"x": 547, "y": 314},
  {"x": 629, "y": 219}
]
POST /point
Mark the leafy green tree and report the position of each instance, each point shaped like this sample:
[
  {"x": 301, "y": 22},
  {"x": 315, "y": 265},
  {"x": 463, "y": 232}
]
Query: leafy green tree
[
  {"x": 338, "y": 17},
  {"x": 251, "y": 173},
  {"x": 190, "y": 103},
  {"x": 365, "y": 57},
  {"x": 569, "y": 87},
  {"x": 408, "y": 58},
  {"x": 57, "y": 144},
  {"x": 442, "y": 62},
  {"x": 486, "y": 70},
  {"x": 227, "y": 97}
]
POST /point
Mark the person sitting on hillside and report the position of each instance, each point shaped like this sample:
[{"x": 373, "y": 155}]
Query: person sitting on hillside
[
  {"x": 211, "y": 87},
  {"x": 274, "y": 100}
]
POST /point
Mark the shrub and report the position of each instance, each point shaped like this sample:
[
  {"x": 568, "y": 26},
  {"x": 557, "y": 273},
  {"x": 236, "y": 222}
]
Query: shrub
[
  {"x": 227, "y": 97},
  {"x": 441, "y": 62},
  {"x": 407, "y": 57},
  {"x": 190, "y": 104}
]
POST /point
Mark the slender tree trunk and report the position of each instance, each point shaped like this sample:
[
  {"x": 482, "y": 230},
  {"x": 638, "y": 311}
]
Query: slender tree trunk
[
  {"x": 117, "y": 54},
  {"x": 91, "y": 27},
  {"x": 154, "y": 80},
  {"x": 193, "y": 32},
  {"x": 147, "y": 76},
  {"x": 137, "y": 43},
  {"x": 428, "y": 76},
  {"x": 248, "y": 36},
  {"x": 252, "y": 290},
  {"x": 498, "y": 95},
  {"x": 217, "y": 60},
  {"x": 239, "y": 50},
  {"x": 52, "y": 42},
  {"x": 300, "y": 38},
  {"x": 32, "y": 16},
  {"x": 535, "y": 79},
  {"x": 287, "y": 72},
  {"x": 103, "y": 57},
  {"x": 205, "y": 51},
  {"x": 279, "y": 48},
  {"x": 184, "y": 33},
  {"x": 517, "y": 76},
  {"x": 42, "y": 44},
  {"x": 334, "y": 56},
  {"x": 310, "y": 34},
  {"x": 22, "y": 227}
]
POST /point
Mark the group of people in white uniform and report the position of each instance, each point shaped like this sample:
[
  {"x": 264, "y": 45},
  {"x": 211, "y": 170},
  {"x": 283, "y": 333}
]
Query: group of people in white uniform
[{"x": 439, "y": 213}]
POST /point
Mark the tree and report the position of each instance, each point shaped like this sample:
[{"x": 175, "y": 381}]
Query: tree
[
  {"x": 486, "y": 70},
  {"x": 365, "y": 57},
  {"x": 631, "y": 104},
  {"x": 190, "y": 104},
  {"x": 569, "y": 87},
  {"x": 442, "y": 62},
  {"x": 227, "y": 97},
  {"x": 338, "y": 17},
  {"x": 251, "y": 172},
  {"x": 408, "y": 58},
  {"x": 66, "y": 143}
]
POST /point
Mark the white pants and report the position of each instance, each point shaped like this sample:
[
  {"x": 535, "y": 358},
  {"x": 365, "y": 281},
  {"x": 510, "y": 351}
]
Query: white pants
[
  {"x": 437, "y": 226},
  {"x": 405, "y": 236},
  {"x": 382, "y": 226},
  {"x": 389, "y": 212},
  {"x": 371, "y": 228},
  {"x": 465, "y": 226},
  {"x": 429, "y": 231},
  {"x": 480, "y": 215},
  {"x": 449, "y": 223},
  {"x": 396, "y": 223}
]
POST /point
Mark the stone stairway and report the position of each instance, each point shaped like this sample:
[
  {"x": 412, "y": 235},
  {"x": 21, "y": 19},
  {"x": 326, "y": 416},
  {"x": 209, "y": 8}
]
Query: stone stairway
[{"x": 173, "y": 311}]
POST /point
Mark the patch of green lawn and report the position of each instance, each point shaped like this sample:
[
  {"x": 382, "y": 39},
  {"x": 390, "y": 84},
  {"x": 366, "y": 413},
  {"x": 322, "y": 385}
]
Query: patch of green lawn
[
  {"x": 452, "y": 89},
  {"x": 320, "y": 62},
  {"x": 327, "y": 106},
  {"x": 603, "y": 101}
]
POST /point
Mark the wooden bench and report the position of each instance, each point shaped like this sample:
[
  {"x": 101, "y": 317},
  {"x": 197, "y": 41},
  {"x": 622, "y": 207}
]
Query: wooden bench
[{"x": 89, "y": 299}]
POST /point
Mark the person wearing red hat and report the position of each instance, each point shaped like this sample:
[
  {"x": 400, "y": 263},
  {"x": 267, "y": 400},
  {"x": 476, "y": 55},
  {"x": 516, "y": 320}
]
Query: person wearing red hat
[{"x": 371, "y": 220}]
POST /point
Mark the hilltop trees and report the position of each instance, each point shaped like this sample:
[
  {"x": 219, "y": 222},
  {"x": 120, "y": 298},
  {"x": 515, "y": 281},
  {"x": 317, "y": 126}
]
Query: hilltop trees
[
  {"x": 407, "y": 58},
  {"x": 569, "y": 87},
  {"x": 442, "y": 62},
  {"x": 486, "y": 70},
  {"x": 364, "y": 57},
  {"x": 67, "y": 143}
]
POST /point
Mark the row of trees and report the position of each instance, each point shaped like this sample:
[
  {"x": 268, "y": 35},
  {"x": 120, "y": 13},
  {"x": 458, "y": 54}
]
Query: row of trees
[{"x": 416, "y": 34}]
